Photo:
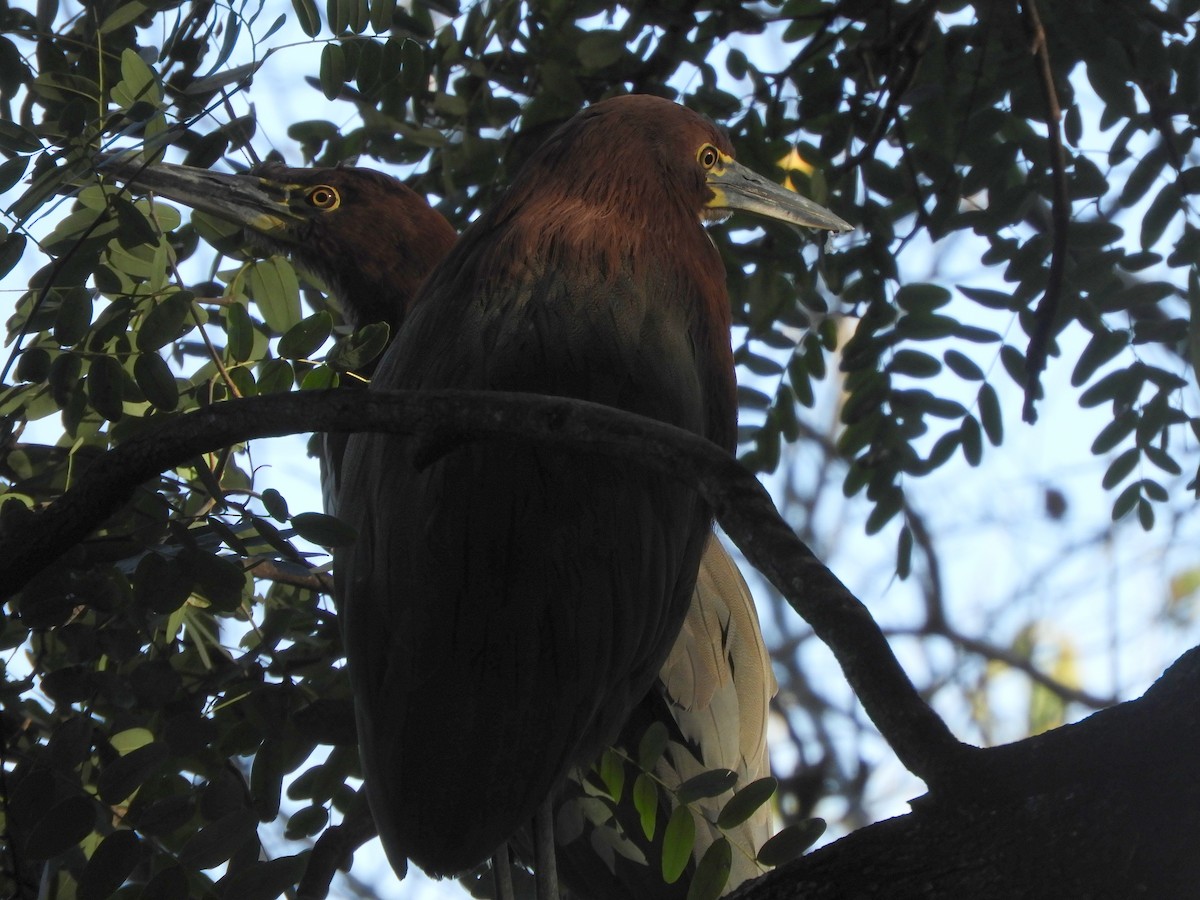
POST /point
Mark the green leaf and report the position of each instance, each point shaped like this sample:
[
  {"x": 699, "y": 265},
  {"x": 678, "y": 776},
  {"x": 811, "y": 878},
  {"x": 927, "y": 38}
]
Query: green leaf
[
  {"x": 308, "y": 16},
  {"x": 600, "y": 49},
  {"x": 105, "y": 387},
  {"x": 217, "y": 841},
  {"x": 914, "y": 363},
  {"x": 306, "y": 336},
  {"x": 319, "y": 378},
  {"x": 1145, "y": 514},
  {"x": 612, "y": 773},
  {"x": 64, "y": 825},
  {"x": 276, "y": 290},
  {"x": 645, "y": 801},
  {"x": 11, "y": 251},
  {"x": 239, "y": 333},
  {"x": 156, "y": 381},
  {"x": 306, "y": 823},
  {"x": 1115, "y": 432},
  {"x": 164, "y": 322},
  {"x": 266, "y": 779},
  {"x": 791, "y": 842},
  {"x": 111, "y": 863},
  {"x": 332, "y": 72},
  {"x": 413, "y": 74},
  {"x": 263, "y": 879},
  {"x": 652, "y": 745},
  {"x": 360, "y": 15},
  {"x": 904, "y": 548},
  {"x": 16, "y": 139},
  {"x": 1104, "y": 346},
  {"x": 707, "y": 784},
  {"x": 712, "y": 874},
  {"x": 1162, "y": 210},
  {"x": 74, "y": 315},
  {"x": 382, "y": 12},
  {"x": 922, "y": 298},
  {"x": 989, "y": 298},
  {"x": 126, "y": 13},
  {"x": 138, "y": 83},
  {"x": 678, "y": 840},
  {"x": 355, "y": 351},
  {"x": 122, "y": 777},
  {"x": 963, "y": 366},
  {"x": 275, "y": 504},
  {"x": 972, "y": 441},
  {"x": 887, "y": 507},
  {"x": 134, "y": 229},
  {"x": 745, "y": 803},
  {"x": 990, "y": 415},
  {"x": 275, "y": 376},
  {"x": 323, "y": 530},
  {"x": 1126, "y": 501}
]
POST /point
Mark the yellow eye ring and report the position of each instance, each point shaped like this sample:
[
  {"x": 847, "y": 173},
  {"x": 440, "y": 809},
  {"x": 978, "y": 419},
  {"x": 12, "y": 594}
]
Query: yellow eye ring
[
  {"x": 708, "y": 156},
  {"x": 324, "y": 197}
]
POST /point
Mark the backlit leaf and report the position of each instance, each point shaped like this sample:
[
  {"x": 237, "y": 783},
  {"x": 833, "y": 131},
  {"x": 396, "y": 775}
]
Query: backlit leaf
[
  {"x": 156, "y": 381},
  {"x": 652, "y": 745},
  {"x": 678, "y": 840},
  {"x": 164, "y": 322},
  {"x": 645, "y": 801},
  {"x": 612, "y": 773},
  {"x": 105, "y": 387},
  {"x": 307, "y": 16},
  {"x": 276, "y": 290},
  {"x": 712, "y": 873},
  {"x": 306, "y": 336}
]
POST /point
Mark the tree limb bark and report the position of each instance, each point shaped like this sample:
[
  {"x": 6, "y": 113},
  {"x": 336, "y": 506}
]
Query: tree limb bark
[{"x": 30, "y": 541}]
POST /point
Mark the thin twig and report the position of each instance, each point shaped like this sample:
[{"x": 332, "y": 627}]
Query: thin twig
[
  {"x": 1047, "y": 311},
  {"x": 270, "y": 570}
]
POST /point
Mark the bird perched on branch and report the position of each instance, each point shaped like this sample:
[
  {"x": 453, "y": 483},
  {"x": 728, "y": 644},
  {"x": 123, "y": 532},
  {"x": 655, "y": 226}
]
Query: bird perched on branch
[
  {"x": 507, "y": 605},
  {"x": 338, "y": 223}
]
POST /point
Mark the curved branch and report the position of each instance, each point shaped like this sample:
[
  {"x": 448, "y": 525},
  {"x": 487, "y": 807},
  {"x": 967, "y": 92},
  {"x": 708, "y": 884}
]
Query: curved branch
[{"x": 31, "y": 541}]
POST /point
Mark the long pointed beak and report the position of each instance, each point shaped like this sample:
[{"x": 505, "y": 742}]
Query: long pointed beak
[
  {"x": 249, "y": 200},
  {"x": 737, "y": 187}
]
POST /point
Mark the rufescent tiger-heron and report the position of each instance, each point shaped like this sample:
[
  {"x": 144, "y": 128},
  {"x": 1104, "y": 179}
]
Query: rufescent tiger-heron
[
  {"x": 372, "y": 239},
  {"x": 507, "y": 605},
  {"x": 313, "y": 213}
]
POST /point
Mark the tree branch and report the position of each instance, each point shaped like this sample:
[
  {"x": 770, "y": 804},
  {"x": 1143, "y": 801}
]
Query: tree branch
[
  {"x": 1047, "y": 311},
  {"x": 30, "y": 541}
]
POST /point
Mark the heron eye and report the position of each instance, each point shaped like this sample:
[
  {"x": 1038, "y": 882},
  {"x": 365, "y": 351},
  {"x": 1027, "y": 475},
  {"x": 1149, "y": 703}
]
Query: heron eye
[
  {"x": 324, "y": 197},
  {"x": 709, "y": 156}
]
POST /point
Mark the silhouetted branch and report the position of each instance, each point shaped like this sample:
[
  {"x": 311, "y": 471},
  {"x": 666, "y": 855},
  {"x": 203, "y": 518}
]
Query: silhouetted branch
[
  {"x": 1047, "y": 311},
  {"x": 30, "y": 541},
  {"x": 269, "y": 570}
]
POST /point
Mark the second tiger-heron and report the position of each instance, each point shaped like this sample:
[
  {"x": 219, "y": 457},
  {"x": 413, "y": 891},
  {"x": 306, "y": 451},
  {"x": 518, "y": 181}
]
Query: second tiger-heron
[
  {"x": 349, "y": 226},
  {"x": 507, "y": 605}
]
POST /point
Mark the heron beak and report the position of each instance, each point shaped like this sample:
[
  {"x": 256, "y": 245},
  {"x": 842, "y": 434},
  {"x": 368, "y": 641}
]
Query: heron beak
[
  {"x": 257, "y": 203},
  {"x": 736, "y": 187}
]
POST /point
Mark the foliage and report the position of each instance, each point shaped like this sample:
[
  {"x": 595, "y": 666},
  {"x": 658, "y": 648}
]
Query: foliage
[{"x": 170, "y": 694}]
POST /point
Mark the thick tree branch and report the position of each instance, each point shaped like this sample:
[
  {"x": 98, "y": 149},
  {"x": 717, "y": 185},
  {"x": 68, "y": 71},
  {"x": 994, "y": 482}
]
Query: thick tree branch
[
  {"x": 30, "y": 541},
  {"x": 1110, "y": 808}
]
